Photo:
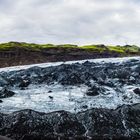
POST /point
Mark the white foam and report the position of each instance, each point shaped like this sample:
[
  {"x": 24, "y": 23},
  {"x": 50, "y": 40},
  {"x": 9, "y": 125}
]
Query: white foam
[{"x": 70, "y": 98}]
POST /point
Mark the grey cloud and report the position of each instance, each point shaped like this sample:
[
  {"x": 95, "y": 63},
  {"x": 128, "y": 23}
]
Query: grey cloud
[{"x": 70, "y": 21}]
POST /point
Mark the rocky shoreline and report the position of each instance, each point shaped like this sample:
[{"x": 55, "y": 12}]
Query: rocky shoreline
[
  {"x": 99, "y": 124},
  {"x": 109, "y": 108}
]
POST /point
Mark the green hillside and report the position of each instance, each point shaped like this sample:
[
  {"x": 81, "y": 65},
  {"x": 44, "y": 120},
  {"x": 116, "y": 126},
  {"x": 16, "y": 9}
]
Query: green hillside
[{"x": 95, "y": 48}]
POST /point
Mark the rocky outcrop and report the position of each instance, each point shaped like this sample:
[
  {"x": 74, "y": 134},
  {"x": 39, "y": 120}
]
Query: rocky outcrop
[
  {"x": 96, "y": 123},
  {"x": 95, "y": 90},
  {"x": 110, "y": 74},
  {"x": 28, "y": 123},
  {"x": 122, "y": 123},
  {"x": 137, "y": 91},
  {"x": 5, "y": 93},
  {"x": 4, "y": 138}
]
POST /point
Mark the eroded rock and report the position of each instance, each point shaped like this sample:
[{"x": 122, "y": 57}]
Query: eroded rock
[
  {"x": 137, "y": 91},
  {"x": 5, "y": 93},
  {"x": 91, "y": 124}
]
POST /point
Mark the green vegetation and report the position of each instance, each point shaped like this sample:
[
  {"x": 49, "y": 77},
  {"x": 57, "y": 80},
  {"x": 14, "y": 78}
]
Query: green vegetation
[
  {"x": 127, "y": 49},
  {"x": 32, "y": 46},
  {"x": 95, "y": 48}
]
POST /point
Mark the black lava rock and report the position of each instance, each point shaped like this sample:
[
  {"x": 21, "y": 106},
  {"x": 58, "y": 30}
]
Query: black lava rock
[
  {"x": 137, "y": 91},
  {"x": 24, "y": 83},
  {"x": 4, "y": 138},
  {"x": 75, "y": 74},
  {"x": 5, "y": 93},
  {"x": 121, "y": 123},
  {"x": 95, "y": 90}
]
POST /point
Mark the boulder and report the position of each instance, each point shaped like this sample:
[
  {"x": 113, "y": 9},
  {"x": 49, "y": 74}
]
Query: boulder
[
  {"x": 95, "y": 90},
  {"x": 3, "y": 81},
  {"x": 72, "y": 79},
  {"x": 5, "y": 93},
  {"x": 24, "y": 83},
  {"x": 137, "y": 91}
]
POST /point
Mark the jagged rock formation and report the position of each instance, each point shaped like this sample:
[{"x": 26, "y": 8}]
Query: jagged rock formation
[
  {"x": 5, "y": 93},
  {"x": 94, "y": 123},
  {"x": 109, "y": 74},
  {"x": 122, "y": 123}
]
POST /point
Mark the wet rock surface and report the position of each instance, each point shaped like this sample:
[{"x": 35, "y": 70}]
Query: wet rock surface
[
  {"x": 103, "y": 80},
  {"x": 95, "y": 90},
  {"x": 110, "y": 74},
  {"x": 137, "y": 91},
  {"x": 5, "y": 93},
  {"x": 122, "y": 122}
]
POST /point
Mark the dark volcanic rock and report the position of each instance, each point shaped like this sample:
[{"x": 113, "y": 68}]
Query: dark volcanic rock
[
  {"x": 131, "y": 119},
  {"x": 72, "y": 79},
  {"x": 24, "y": 84},
  {"x": 110, "y": 74},
  {"x": 3, "y": 81},
  {"x": 137, "y": 91},
  {"x": 4, "y": 138},
  {"x": 28, "y": 122},
  {"x": 1, "y": 101},
  {"x": 5, "y": 93},
  {"x": 95, "y": 90},
  {"x": 50, "y": 91},
  {"x": 122, "y": 123},
  {"x": 102, "y": 122}
]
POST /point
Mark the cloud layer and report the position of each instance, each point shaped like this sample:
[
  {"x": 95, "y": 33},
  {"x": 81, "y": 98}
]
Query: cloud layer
[{"x": 70, "y": 21}]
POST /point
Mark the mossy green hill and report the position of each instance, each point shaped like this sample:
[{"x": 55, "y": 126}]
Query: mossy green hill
[
  {"x": 95, "y": 48},
  {"x": 21, "y": 53}
]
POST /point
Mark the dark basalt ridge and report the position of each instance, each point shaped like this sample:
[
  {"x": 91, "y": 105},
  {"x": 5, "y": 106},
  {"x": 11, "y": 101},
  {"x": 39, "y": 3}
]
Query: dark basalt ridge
[
  {"x": 108, "y": 74},
  {"x": 122, "y": 123}
]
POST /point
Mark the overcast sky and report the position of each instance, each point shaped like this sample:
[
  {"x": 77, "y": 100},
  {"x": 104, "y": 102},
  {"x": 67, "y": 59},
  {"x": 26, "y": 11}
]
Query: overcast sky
[{"x": 70, "y": 21}]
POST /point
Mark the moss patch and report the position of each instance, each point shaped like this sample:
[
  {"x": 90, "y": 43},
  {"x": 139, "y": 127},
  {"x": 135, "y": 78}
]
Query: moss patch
[{"x": 127, "y": 49}]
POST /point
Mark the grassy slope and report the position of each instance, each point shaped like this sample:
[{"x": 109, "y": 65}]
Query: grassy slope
[{"x": 123, "y": 50}]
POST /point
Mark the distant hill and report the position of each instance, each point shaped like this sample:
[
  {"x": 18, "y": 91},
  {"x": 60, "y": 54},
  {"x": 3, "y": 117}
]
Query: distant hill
[{"x": 21, "y": 53}]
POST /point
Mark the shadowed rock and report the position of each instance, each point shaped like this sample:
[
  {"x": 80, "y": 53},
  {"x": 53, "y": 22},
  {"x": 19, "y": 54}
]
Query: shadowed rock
[
  {"x": 4, "y": 138},
  {"x": 5, "y": 93},
  {"x": 110, "y": 74},
  {"x": 137, "y": 91},
  {"x": 121, "y": 123},
  {"x": 94, "y": 123}
]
